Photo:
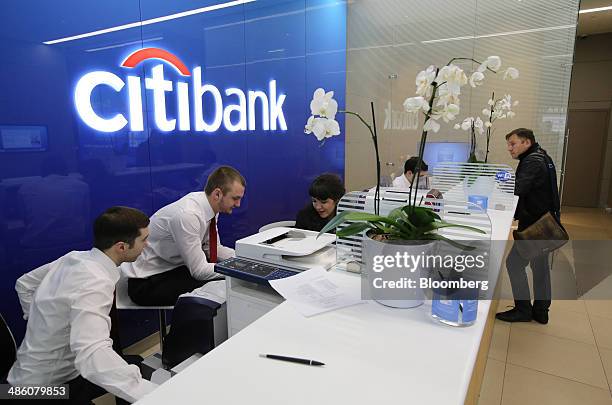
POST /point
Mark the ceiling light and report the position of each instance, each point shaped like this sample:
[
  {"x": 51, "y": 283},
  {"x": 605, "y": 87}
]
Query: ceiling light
[
  {"x": 149, "y": 22},
  {"x": 594, "y": 10}
]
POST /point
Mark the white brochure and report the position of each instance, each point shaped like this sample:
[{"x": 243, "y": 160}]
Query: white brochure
[{"x": 312, "y": 292}]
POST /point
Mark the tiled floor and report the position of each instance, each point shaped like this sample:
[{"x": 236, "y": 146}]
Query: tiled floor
[{"x": 568, "y": 361}]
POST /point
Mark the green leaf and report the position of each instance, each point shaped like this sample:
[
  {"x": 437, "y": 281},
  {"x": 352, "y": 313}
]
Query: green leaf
[
  {"x": 433, "y": 214},
  {"x": 397, "y": 214},
  {"x": 420, "y": 217},
  {"x": 442, "y": 224},
  {"x": 353, "y": 229},
  {"x": 337, "y": 220}
]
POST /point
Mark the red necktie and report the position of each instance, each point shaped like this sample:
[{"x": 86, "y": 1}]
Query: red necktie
[{"x": 212, "y": 240}]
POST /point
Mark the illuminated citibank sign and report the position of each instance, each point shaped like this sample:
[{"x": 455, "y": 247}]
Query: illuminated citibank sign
[{"x": 239, "y": 116}]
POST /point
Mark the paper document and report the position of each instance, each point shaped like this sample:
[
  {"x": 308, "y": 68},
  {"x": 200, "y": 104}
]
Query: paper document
[{"x": 312, "y": 292}]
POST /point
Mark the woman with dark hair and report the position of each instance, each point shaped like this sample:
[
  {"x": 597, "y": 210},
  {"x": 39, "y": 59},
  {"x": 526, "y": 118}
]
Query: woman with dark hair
[{"x": 325, "y": 192}]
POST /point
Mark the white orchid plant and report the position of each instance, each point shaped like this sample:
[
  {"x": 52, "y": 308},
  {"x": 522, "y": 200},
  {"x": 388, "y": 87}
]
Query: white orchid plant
[
  {"x": 437, "y": 96},
  {"x": 322, "y": 123},
  {"x": 496, "y": 109},
  {"x": 438, "y": 93}
]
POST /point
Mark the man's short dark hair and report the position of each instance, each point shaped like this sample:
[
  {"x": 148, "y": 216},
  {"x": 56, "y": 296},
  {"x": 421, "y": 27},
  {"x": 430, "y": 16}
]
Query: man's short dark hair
[
  {"x": 327, "y": 185},
  {"x": 522, "y": 133},
  {"x": 118, "y": 224},
  {"x": 411, "y": 164},
  {"x": 223, "y": 177}
]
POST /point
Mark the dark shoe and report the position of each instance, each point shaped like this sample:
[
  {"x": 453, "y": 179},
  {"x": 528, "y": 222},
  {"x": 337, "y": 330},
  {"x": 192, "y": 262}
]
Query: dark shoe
[
  {"x": 540, "y": 316},
  {"x": 514, "y": 315}
]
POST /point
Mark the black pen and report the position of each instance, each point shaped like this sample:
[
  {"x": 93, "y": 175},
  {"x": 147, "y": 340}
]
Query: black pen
[{"x": 293, "y": 359}]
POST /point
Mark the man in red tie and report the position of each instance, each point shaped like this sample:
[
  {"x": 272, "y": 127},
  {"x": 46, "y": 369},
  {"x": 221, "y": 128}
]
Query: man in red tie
[{"x": 175, "y": 260}]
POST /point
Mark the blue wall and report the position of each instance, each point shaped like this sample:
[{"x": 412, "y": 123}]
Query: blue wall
[{"x": 57, "y": 173}]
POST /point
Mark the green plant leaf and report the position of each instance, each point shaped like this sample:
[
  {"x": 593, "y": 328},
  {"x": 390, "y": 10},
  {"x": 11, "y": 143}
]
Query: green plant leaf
[
  {"x": 432, "y": 213},
  {"x": 396, "y": 214},
  {"x": 420, "y": 217},
  {"x": 353, "y": 229},
  {"x": 442, "y": 224},
  {"x": 337, "y": 220}
]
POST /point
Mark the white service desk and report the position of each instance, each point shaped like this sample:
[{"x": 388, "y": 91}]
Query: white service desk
[{"x": 373, "y": 355}]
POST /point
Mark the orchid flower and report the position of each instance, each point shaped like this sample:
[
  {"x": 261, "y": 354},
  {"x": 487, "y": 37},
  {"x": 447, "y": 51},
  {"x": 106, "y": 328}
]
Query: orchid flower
[
  {"x": 322, "y": 124},
  {"x": 323, "y": 108},
  {"x": 512, "y": 73},
  {"x": 323, "y": 104},
  {"x": 476, "y": 79},
  {"x": 424, "y": 80}
]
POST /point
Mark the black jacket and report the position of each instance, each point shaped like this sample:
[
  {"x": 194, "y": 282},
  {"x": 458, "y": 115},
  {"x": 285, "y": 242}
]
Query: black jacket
[
  {"x": 309, "y": 219},
  {"x": 533, "y": 186}
]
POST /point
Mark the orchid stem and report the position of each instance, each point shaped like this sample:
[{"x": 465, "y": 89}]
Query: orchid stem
[
  {"x": 375, "y": 141},
  {"x": 489, "y": 128},
  {"x": 470, "y": 59},
  {"x": 411, "y": 203}
]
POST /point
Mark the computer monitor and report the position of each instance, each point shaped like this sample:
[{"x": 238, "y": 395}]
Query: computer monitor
[{"x": 438, "y": 152}]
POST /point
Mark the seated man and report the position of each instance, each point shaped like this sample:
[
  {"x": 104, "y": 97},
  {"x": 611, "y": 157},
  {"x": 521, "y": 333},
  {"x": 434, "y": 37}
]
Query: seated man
[
  {"x": 325, "y": 192},
  {"x": 406, "y": 179},
  {"x": 67, "y": 304},
  {"x": 174, "y": 261}
]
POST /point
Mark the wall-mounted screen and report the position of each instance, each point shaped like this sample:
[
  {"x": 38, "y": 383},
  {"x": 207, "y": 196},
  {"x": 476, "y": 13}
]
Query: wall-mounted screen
[
  {"x": 22, "y": 138},
  {"x": 438, "y": 152}
]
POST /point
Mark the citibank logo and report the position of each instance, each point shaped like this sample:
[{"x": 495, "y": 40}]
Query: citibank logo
[{"x": 237, "y": 114}]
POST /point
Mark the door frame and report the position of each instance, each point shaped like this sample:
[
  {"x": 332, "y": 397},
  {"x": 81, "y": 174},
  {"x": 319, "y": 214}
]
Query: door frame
[{"x": 602, "y": 153}]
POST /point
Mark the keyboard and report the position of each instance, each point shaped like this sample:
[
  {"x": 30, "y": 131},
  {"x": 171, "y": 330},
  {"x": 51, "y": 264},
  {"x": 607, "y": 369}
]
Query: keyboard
[{"x": 251, "y": 271}]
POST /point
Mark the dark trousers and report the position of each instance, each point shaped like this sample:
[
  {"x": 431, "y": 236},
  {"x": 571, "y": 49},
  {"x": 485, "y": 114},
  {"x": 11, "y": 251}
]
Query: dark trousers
[
  {"x": 163, "y": 289},
  {"x": 540, "y": 269}
]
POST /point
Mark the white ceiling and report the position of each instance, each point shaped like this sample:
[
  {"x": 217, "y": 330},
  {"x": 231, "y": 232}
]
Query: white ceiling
[{"x": 594, "y": 23}]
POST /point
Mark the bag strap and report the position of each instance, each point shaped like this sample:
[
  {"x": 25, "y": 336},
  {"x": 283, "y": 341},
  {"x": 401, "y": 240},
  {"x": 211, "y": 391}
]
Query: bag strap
[{"x": 552, "y": 176}]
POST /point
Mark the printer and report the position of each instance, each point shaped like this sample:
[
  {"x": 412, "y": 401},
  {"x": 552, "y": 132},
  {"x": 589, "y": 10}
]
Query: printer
[
  {"x": 289, "y": 247},
  {"x": 277, "y": 253}
]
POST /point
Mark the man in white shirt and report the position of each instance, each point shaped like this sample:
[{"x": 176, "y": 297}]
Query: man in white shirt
[
  {"x": 67, "y": 304},
  {"x": 406, "y": 179},
  {"x": 174, "y": 261}
]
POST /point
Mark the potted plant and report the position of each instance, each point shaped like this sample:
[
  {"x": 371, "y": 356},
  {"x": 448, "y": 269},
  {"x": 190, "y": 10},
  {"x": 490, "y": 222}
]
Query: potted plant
[{"x": 410, "y": 229}]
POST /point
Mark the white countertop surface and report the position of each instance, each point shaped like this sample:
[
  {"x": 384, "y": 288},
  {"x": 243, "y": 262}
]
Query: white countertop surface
[{"x": 373, "y": 355}]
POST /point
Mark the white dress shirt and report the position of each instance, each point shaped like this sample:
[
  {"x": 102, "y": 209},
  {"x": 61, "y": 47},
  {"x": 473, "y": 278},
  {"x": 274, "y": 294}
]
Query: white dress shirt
[
  {"x": 178, "y": 234},
  {"x": 67, "y": 303},
  {"x": 401, "y": 182}
]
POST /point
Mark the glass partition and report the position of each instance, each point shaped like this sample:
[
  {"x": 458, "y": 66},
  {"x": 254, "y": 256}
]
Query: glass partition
[{"x": 390, "y": 41}]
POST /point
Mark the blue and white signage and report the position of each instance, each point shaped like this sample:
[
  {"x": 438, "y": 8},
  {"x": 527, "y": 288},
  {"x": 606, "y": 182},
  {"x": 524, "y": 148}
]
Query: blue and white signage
[{"x": 235, "y": 109}]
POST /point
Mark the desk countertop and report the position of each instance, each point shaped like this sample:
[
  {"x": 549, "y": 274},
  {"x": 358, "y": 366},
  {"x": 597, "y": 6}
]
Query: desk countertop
[{"x": 373, "y": 355}]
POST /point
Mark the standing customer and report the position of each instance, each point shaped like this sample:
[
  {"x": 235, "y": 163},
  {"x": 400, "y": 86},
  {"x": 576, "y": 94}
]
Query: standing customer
[{"x": 534, "y": 175}]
